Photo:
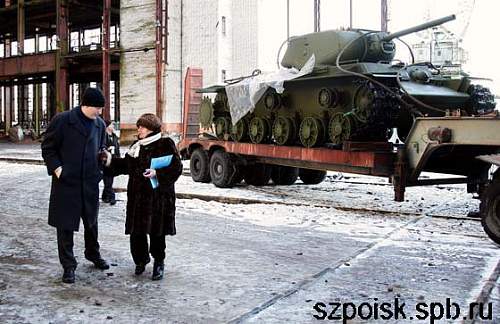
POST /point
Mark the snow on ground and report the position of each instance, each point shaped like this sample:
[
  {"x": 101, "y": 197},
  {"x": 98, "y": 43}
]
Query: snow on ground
[{"x": 345, "y": 239}]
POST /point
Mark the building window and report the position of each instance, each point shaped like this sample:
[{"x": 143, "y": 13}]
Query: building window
[
  {"x": 223, "y": 75},
  {"x": 224, "y": 25}
]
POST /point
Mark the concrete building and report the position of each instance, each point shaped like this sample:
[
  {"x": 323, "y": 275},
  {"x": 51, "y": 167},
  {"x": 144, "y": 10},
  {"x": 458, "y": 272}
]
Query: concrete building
[{"x": 218, "y": 36}]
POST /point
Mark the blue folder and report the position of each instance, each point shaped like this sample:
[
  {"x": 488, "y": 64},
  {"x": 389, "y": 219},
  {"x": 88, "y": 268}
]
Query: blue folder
[{"x": 158, "y": 163}]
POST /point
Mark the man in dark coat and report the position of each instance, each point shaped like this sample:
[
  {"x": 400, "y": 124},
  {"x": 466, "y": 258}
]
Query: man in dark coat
[{"x": 70, "y": 149}]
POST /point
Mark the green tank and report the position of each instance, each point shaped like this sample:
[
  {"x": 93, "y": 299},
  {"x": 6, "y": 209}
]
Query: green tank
[{"x": 355, "y": 92}]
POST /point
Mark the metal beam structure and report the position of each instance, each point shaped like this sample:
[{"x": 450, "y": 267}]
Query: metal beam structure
[
  {"x": 106, "y": 70},
  {"x": 18, "y": 66},
  {"x": 62, "y": 50},
  {"x": 59, "y": 65},
  {"x": 20, "y": 27}
]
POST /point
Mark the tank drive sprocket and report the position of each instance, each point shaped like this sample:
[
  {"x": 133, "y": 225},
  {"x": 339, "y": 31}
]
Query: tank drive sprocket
[{"x": 481, "y": 101}]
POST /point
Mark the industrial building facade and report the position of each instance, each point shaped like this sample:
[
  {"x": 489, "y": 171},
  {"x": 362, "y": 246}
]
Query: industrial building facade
[{"x": 136, "y": 51}]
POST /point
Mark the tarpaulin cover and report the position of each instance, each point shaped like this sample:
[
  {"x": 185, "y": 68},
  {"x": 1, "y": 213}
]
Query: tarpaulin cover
[{"x": 243, "y": 96}]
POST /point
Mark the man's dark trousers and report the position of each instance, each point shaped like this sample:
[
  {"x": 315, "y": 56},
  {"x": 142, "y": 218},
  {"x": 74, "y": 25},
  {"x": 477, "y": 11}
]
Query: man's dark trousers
[
  {"x": 108, "y": 194},
  {"x": 65, "y": 245}
]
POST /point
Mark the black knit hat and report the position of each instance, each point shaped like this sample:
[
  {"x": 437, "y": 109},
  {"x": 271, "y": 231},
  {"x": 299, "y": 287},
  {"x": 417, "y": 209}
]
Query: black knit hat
[
  {"x": 92, "y": 97},
  {"x": 149, "y": 121}
]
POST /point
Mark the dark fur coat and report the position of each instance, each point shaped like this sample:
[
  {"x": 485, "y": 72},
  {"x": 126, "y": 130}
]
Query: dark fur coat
[{"x": 150, "y": 211}]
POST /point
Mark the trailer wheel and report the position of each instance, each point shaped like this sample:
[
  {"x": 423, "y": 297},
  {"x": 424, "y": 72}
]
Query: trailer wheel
[
  {"x": 490, "y": 211},
  {"x": 312, "y": 176},
  {"x": 257, "y": 174},
  {"x": 199, "y": 166},
  {"x": 222, "y": 169},
  {"x": 283, "y": 175}
]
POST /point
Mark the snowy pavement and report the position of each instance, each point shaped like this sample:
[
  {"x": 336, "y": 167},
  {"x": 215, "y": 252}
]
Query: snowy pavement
[{"x": 344, "y": 240}]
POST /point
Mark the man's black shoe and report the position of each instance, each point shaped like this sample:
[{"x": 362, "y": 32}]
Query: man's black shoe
[
  {"x": 112, "y": 202},
  {"x": 106, "y": 200},
  {"x": 158, "y": 269},
  {"x": 68, "y": 275},
  {"x": 139, "y": 269},
  {"x": 100, "y": 263}
]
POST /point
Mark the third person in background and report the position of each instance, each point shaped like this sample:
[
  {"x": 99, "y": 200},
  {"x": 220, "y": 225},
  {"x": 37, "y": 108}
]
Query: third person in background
[{"x": 113, "y": 147}]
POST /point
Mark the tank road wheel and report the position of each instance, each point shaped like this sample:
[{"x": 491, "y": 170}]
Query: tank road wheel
[
  {"x": 362, "y": 102},
  {"x": 258, "y": 130},
  {"x": 311, "y": 132},
  {"x": 222, "y": 127},
  {"x": 199, "y": 166},
  {"x": 206, "y": 112},
  {"x": 239, "y": 132},
  {"x": 257, "y": 174},
  {"x": 312, "y": 176},
  {"x": 283, "y": 175},
  {"x": 340, "y": 128},
  {"x": 222, "y": 169},
  {"x": 283, "y": 130},
  {"x": 490, "y": 211}
]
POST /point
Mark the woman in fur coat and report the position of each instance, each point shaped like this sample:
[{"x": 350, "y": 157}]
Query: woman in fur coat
[{"x": 149, "y": 211}]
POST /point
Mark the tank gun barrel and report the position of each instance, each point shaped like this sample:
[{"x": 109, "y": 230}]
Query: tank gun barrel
[{"x": 418, "y": 28}]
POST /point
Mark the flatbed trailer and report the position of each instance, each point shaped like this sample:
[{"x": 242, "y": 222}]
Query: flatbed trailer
[{"x": 466, "y": 148}]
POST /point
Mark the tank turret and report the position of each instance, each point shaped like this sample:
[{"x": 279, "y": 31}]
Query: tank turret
[{"x": 326, "y": 45}]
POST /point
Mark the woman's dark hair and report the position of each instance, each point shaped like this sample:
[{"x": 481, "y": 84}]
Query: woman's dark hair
[{"x": 149, "y": 121}]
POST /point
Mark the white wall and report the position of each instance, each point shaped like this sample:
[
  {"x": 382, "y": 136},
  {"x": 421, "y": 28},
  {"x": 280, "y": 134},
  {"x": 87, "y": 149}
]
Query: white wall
[
  {"x": 137, "y": 69},
  {"x": 245, "y": 37},
  {"x": 173, "y": 78},
  {"x": 200, "y": 38}
]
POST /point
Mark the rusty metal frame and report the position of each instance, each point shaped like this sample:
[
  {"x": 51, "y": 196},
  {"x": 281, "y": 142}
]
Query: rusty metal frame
[
  {"x": 61, "y": 72},
  {"x": 20, "y": 27},
  {"x": 106, "y": 67},
  {"x": 363, "y": 162},
  {"x": 25, "y": 65}
]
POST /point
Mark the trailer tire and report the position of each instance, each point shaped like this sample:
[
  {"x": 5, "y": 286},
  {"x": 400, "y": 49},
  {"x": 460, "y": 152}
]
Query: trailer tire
[
  {"x": 222, "y": 169},
  {"x": 199, "y": 166},
  {"x": 284, "y": 176},
  {"x": 490, "y": 211},
  {"x": 257, "y": 174},
  {"x": 312, "y": 176}
]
